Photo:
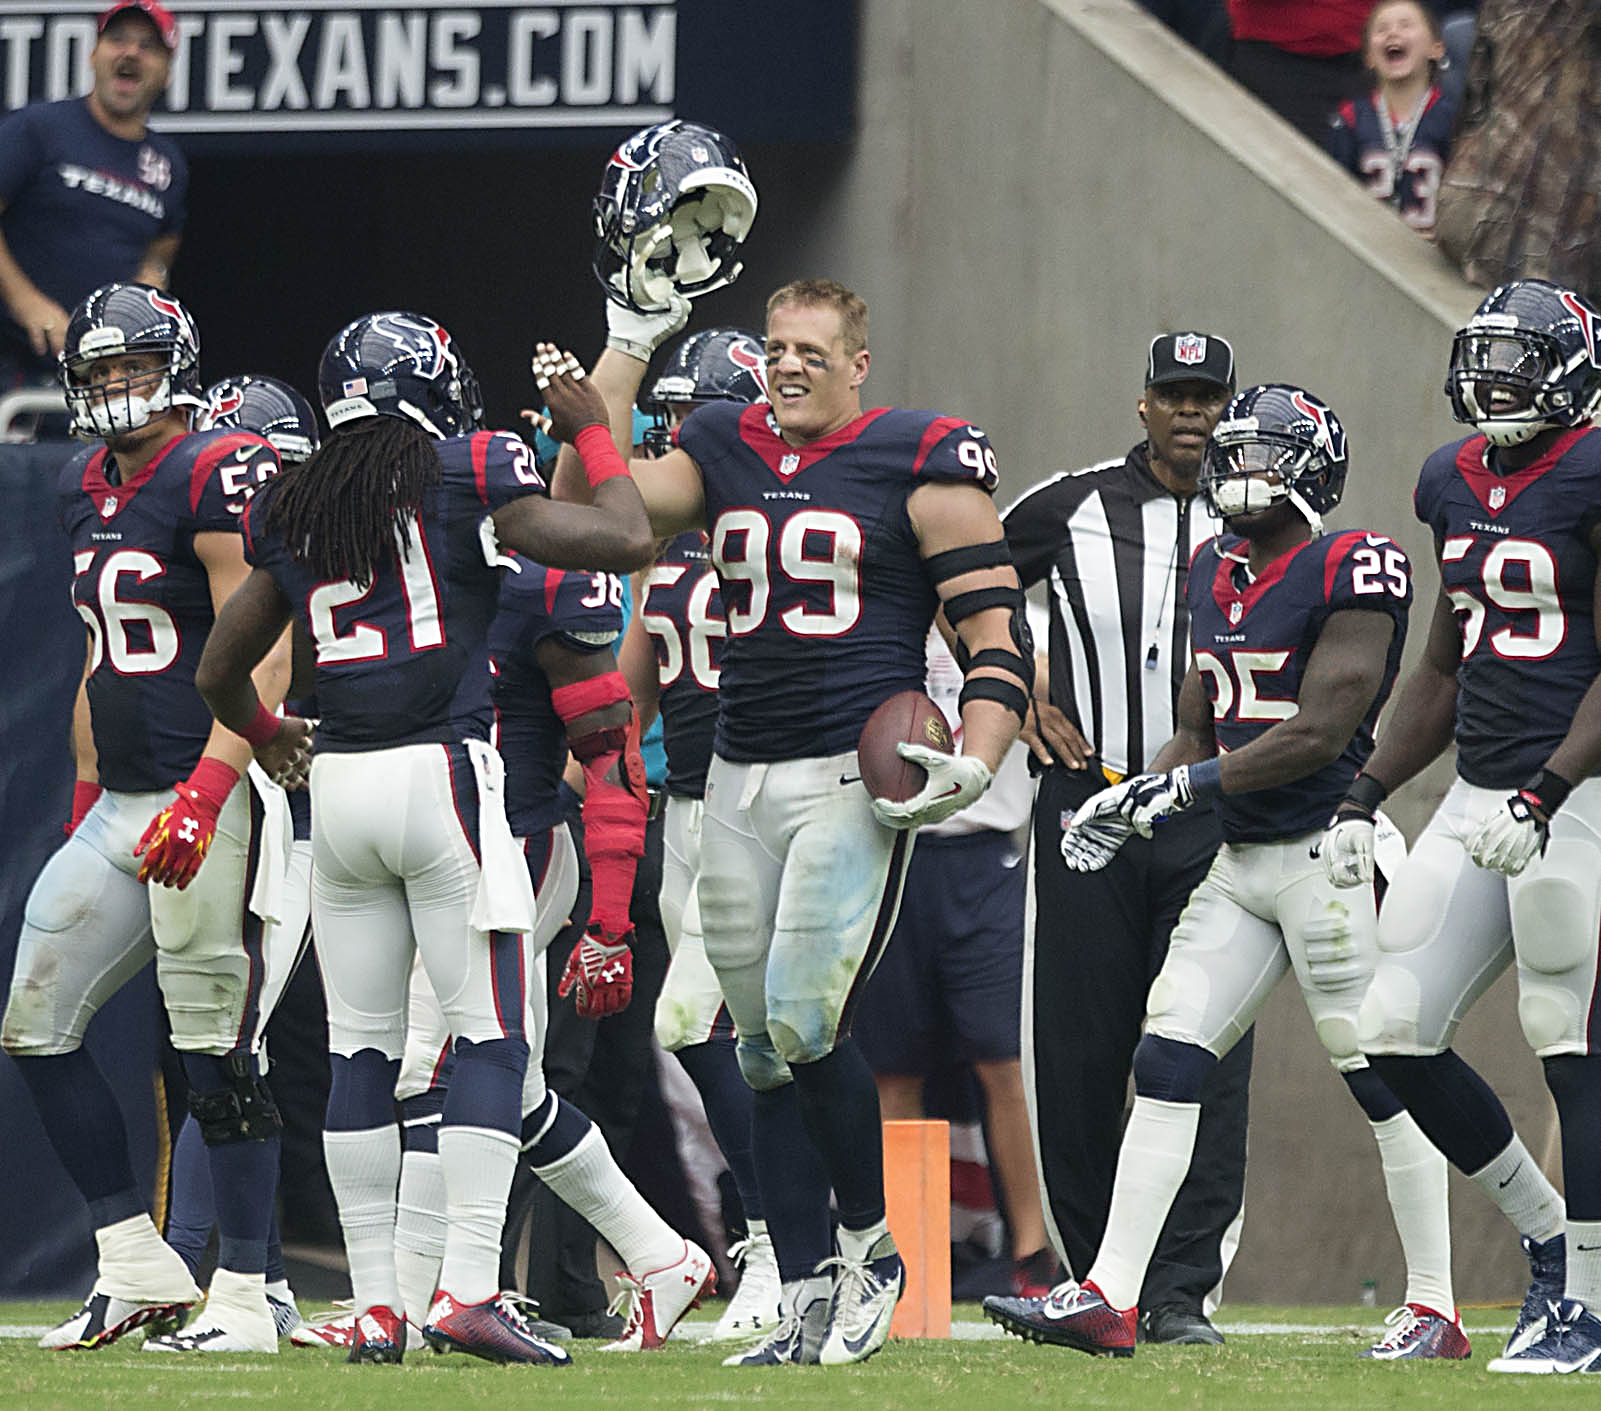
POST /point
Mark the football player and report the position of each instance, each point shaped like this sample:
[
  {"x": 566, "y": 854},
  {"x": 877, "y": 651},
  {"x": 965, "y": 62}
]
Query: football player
[
  {"x": 836, "y": 533},
  {"x": 1296, "y": 638},
  {"x": 276, "y": 411},
  {"x": 165, "y": 852},
  {"x": 1509, "y": 868},
  {"x": 670, "y": 656},
  {"x": 556, "y": 687},
  {"x": 384, "y": 543}
]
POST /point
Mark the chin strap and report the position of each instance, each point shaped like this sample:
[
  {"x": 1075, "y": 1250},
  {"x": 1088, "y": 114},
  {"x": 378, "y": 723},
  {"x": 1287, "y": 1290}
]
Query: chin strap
[{"x": 615, "y": 796}]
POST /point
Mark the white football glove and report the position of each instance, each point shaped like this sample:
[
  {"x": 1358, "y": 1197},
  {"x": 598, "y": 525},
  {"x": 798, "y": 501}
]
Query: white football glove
[
  {"x": 954, "y": 781},
  {"x": 1143, "y": 801},
  {"x": 1346, "y": 848},
  {"x": 639, "y": 335},
  {"x": 1089, "y": 846},
  {"x": 1512, "y": 836}
]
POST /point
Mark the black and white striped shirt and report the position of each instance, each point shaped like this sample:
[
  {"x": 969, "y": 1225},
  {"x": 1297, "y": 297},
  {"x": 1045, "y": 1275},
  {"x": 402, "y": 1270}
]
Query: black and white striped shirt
[{"x": 1114, "y": 545}]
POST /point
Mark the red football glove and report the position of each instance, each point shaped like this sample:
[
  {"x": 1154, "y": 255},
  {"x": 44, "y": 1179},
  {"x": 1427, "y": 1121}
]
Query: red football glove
[
  {"x": 601, "y": 969},
  {"x": 175, "y": 843},
  {"x": 84, "y": 794}
]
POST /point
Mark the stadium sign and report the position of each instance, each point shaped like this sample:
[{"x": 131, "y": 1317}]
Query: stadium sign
[{"x": 371, "y": 68}]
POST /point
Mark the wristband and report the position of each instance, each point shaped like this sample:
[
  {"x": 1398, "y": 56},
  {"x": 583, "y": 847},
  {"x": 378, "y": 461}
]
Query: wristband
[
  {"x": 213, "y": 779},
  {"x": 1366, "y": 793},
  {"x": 1547, "y": 791},
  {"x": 263, "y": 726},
  {"x": 1205, "y": 779},
  {"x": 601, "y": 461}
]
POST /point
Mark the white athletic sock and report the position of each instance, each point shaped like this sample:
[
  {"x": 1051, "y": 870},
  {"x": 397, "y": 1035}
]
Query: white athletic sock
[
  {"x": 363, "y": 1169},
  {"x": 589, "y": 1179},
  {"x": 419, "y": 1231},
  {"x": 1415, "y": 1181},
  {"x": 858, "y": 1244},
  {"x": 799, "y": 1294},
  {"x": 1151, "y": 1166},
  {"x": 1584, "y": 1263},
  {"x": 1518, "y": 1186},
  {"x": 477, "y": 1163}
]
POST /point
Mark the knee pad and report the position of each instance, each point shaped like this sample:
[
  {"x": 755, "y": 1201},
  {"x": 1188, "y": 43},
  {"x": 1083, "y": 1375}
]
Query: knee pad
[
  {"x": 204, "y": 999},
  {"x": 760, "y": 1064},
  {"x": 242, "y": 1110},
  {"x": 1170, "y": 1070},
  {"x": 1337, "y": 1033},
  {"x": 1387, "y": 1020},
  {"x": 1334, "y": 960},
  {"x": 1549, "y": 1017},
  {"x": 800, "y": 1035},
  {"x": 673, "y": 1023}
]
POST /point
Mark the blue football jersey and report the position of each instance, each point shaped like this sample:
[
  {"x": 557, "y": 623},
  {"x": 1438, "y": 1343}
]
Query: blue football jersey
[
  {"x": 683, "y": 612},
  {"x": 1406, "y": 173},
  {"x": 824, "y": 591},
  {"x": 1252, "y": 640},
  {"x": 146, "y": 597},
  {"x": 1516, "y": 564},
  {"x": 405, "y": 660},
  {"x": 581, "y": 611}
]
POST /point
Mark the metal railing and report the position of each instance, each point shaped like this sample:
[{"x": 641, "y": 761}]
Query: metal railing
[{"x": 18, "y": 408}]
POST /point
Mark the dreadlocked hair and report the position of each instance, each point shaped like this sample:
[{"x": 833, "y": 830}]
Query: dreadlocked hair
[{"x": 342, "y": 511}]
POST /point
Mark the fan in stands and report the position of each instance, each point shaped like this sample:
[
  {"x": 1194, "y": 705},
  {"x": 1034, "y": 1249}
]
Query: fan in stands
[{"x": 908, "y": 717}]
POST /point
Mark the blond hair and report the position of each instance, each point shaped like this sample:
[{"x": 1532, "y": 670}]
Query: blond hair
[{"x": 827, "y": 294}]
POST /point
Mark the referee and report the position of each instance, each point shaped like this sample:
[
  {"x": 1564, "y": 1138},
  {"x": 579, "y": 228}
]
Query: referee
[{"x": 1114, "y": 541}]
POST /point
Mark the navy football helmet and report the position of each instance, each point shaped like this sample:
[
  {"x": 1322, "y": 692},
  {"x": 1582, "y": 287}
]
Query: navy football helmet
[
  {"x": 270, "y": 408},
  {"x": 1527, "y": 362},
  {"x": 128, "y": 318},
  {"x": 401, "y": 365},
  {"x": 675, "y": 204},
  {"x": 715, "y": 365},
  {"x": 1275, "y": 443}
]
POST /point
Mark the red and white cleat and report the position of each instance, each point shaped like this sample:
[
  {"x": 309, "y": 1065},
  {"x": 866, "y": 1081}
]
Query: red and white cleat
[
  {"x": 652, "y": 1303},
  {"x": 496, "y": 1330}
]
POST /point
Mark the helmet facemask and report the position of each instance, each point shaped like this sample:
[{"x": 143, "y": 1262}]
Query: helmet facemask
[{"x": 1507, "y": 383}]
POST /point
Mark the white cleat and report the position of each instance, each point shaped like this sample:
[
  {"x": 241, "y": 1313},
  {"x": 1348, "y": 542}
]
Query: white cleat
[
  {"x": 753, "y": 1310},
  {"x": 104, "y": 1318},
  {"x": 652, "y": 1303},
  {"x": 865, "y": 1294},
  {"x": 236, "y": 1318}
]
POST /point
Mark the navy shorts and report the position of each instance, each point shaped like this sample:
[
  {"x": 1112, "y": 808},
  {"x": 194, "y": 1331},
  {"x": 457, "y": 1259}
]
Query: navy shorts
[{"x": 950, "y": 983}]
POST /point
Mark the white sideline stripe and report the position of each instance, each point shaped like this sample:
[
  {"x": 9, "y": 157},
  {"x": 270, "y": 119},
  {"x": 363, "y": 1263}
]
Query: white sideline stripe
[{"x": 960, "y": 1331}]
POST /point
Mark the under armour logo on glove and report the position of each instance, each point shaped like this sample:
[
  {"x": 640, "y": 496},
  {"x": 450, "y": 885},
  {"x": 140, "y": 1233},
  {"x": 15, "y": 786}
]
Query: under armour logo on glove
[
  {"x": 601, "y": 971},
  {"x": 176, "y": 842}
]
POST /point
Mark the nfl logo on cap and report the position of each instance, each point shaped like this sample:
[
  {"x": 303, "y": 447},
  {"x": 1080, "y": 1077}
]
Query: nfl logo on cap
[
  {"x": 1189, "y": 349},
  {"x": 356, "y": 387}
]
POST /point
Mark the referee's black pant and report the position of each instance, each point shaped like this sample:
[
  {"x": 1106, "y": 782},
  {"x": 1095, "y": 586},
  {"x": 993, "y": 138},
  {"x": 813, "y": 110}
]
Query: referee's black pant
[{"x": 1099, "y": 940}]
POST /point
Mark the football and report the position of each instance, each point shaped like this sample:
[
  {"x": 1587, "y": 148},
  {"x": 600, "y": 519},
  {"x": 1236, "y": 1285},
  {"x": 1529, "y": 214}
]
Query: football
[{"x": 908, "y": 716}]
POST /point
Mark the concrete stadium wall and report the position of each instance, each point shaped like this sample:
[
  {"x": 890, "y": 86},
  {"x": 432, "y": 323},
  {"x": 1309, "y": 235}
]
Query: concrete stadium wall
[{"x": 1039, "y": 186}]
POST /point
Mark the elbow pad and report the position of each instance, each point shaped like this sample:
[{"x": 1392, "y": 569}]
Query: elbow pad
[{"x": 615, "y": 796}]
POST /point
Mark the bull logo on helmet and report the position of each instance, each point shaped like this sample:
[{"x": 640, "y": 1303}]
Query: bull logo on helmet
[
  {"x": 423, "y": 341},
  {"x": 745, "y": 353}
]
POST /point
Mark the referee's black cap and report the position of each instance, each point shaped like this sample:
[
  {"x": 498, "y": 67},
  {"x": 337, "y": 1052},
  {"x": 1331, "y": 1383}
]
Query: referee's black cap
[{"x": 1190, "y": 357}]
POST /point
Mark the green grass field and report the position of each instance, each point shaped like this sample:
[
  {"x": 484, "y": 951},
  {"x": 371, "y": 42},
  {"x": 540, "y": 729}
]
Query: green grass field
[{"x": 1309, "y": 1368}]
